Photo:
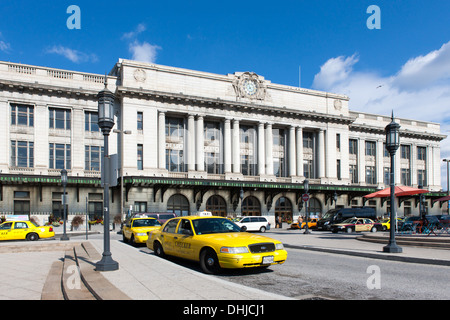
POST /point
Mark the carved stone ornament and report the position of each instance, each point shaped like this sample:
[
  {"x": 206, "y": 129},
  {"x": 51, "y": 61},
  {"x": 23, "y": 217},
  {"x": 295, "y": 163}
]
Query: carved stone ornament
[
  {"x": 249, "y": 85},
  {"x": 338, "y": 104},
  {"x": 140, "y": 75}
]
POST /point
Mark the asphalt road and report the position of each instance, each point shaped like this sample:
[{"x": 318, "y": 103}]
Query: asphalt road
[{"x": 315, "y": 275}]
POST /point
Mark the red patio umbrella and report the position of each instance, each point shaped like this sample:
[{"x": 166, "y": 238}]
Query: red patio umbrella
[{"x": 399, "y": 191}]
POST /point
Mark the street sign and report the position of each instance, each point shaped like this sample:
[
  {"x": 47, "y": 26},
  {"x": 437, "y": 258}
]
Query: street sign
[{"x": 305, "y": 197}]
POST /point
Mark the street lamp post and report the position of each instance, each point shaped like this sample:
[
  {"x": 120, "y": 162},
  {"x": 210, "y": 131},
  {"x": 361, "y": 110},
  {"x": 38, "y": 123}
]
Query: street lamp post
[
  {"x": 392, "y": 132},
  {"x": 64, "y": 237},
  {"x": 448, "y": 184},
  {"x": 306, "y": 187},
  {"x": 106, "y": 123}
]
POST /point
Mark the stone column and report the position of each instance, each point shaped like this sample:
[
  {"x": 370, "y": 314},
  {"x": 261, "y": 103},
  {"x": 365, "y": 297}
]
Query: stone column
[
  {"x": 191, "y": 143},
  {"x": 261, "y": 150},
  {"x": 162, "y": 140},
  {"x": 227, "y": 145},
  {"x": 292, "y": 152},
  {"x": 299, "y": 150},
  {"x": 236, "y": 148},
  {"x": 200, "y": 143}
]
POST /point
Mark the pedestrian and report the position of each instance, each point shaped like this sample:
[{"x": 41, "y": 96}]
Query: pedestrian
[
  {"x": 280, "y": 222},
  {"x": 300, "y": 221}
]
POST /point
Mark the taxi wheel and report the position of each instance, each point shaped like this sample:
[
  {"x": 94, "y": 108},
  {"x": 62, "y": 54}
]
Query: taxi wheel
[
  {"x": 349, "y": 230},
  {"x": 32, "y": 237},
  {"x": 124, "y": 238},
  {"x": 209, "y": 261},
  {"x": 159, "y": 251}
]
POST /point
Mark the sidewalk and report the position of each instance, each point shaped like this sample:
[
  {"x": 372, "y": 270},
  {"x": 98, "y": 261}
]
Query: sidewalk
[{"x": 24, "y": 266}]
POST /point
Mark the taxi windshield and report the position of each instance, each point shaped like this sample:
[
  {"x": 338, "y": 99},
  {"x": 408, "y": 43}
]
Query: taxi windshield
[
  {"x": 214, "y": 225},
  {"x": 146, "y": 223}
]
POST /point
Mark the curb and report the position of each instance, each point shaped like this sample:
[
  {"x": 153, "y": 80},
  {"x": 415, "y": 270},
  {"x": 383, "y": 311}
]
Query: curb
[{"x": 380, "y": 256}]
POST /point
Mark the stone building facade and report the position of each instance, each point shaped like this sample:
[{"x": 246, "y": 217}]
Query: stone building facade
[{"x": 231, "y": 144}]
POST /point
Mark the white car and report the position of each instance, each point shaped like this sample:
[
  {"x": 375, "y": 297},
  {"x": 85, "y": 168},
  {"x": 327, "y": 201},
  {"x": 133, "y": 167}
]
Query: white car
[{"x": 254, "y": 223}]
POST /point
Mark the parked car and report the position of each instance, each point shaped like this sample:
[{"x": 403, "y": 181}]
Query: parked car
[
  {"x": 136, "y": 229},
  {"x": 312, "y": 224},
  {"x": 260, "y": 224},
  {"x": 356, "y": 225},
  {"x": 216, "y": 243},
  {"x": 162, "y": 217},
  {"x": 21, "y": 230},
  {"x": 335, "y": 216}
]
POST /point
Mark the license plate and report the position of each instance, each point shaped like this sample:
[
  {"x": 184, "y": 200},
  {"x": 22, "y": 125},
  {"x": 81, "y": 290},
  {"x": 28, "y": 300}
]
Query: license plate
[{"x": 267, "y": 260}]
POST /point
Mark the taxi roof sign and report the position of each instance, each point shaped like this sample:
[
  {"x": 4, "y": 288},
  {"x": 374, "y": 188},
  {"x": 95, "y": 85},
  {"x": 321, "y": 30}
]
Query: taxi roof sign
[{"x": 204, "y": 214}]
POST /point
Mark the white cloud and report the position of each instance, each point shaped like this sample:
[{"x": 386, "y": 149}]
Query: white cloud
[
  {"x": 419, "y": 90},
  {"x": 132, "y": 34},
  {"x": 73, "y": 55},
  {"x": 144, "y": 51},
  {"x": 4, "y": 46}
]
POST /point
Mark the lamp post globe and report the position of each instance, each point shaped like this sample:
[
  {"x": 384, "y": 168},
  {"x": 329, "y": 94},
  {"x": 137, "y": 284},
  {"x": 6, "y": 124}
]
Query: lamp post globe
[
  {"x": 392, "y": 132},
  {"x": 106, "y": 123}
]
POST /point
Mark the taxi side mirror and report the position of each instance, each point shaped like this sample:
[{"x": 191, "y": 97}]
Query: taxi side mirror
[{"x": 243, "y": 228}]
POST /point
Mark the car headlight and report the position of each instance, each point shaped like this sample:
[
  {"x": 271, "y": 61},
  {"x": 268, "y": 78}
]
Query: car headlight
[
  {"x": 141, "y": 234},
  {"x": 279, "y": 246},
  {"x": 234, "y": 250},
  {"x": 326, "y": 223}
]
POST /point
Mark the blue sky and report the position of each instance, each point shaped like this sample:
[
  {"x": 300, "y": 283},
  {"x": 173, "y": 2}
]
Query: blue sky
[{"x": 409, "y": 57}]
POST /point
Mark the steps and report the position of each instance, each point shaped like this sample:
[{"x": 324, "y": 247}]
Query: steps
[{"x": 75, "y": 278}]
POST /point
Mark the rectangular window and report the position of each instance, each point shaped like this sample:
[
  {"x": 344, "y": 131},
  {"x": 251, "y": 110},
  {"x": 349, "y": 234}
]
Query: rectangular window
[
  {"x": 21, "y": 202},
  {"x": 278, "y": 152},
  {"x": 405, "y": 152},
  {"x": 59, "y": 118},
  {"x": 353, "y": 146},
  {"x": 140, "y": 157},
  {"x": 22, "y": 154},
  {"x": 213, "y": 147},
  {"x": 175, "y": 144},
  {"x": 60, "y": 156},
  {"x": 387, "y": 176},
  {"x": 422, "y": 177},
  {"x": 371, "y": 149},
  {"x": 92, "y": 158},
  {"x": 247, "y": 136},
  {"x": 308, "y": 140},
  {"x": 308, "y": 169},
  {"x": 22, "y": 115},
  {"x": 422, "y": 153},
  {"x": 91, "y": 121},
  {"x": 140, "y": 121},
  {"x": 371, "y": 177},
  {"x": 338, "y": 169},
  {"x": 406, "y": 177},
  {"x": 338, "y": 142},
  {"x": 353, "y": 171},
  {"x": 175, "y": 160}
]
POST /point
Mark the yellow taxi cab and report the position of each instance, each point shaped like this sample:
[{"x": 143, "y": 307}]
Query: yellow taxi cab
[
  {"x": 312, "y": 223},
  {"x": 136, "y": 230},
  {"x": 215, "y": 242},
  {"x": 20, "y": 230}
]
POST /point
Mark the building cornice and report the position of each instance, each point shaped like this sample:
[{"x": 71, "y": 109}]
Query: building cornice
[{"x": 180, "y": 98}]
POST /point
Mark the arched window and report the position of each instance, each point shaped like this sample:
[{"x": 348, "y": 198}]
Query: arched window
[
  {"x": 283, "y": 207},
  {"x": 251, "y": 207},
  {"x": 217, "y": 206},
  {"x": 178, "y": 204}
]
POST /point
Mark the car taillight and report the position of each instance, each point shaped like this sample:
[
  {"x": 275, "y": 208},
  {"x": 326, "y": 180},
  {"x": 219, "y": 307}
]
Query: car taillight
[{"x": 50, "y": 229}]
